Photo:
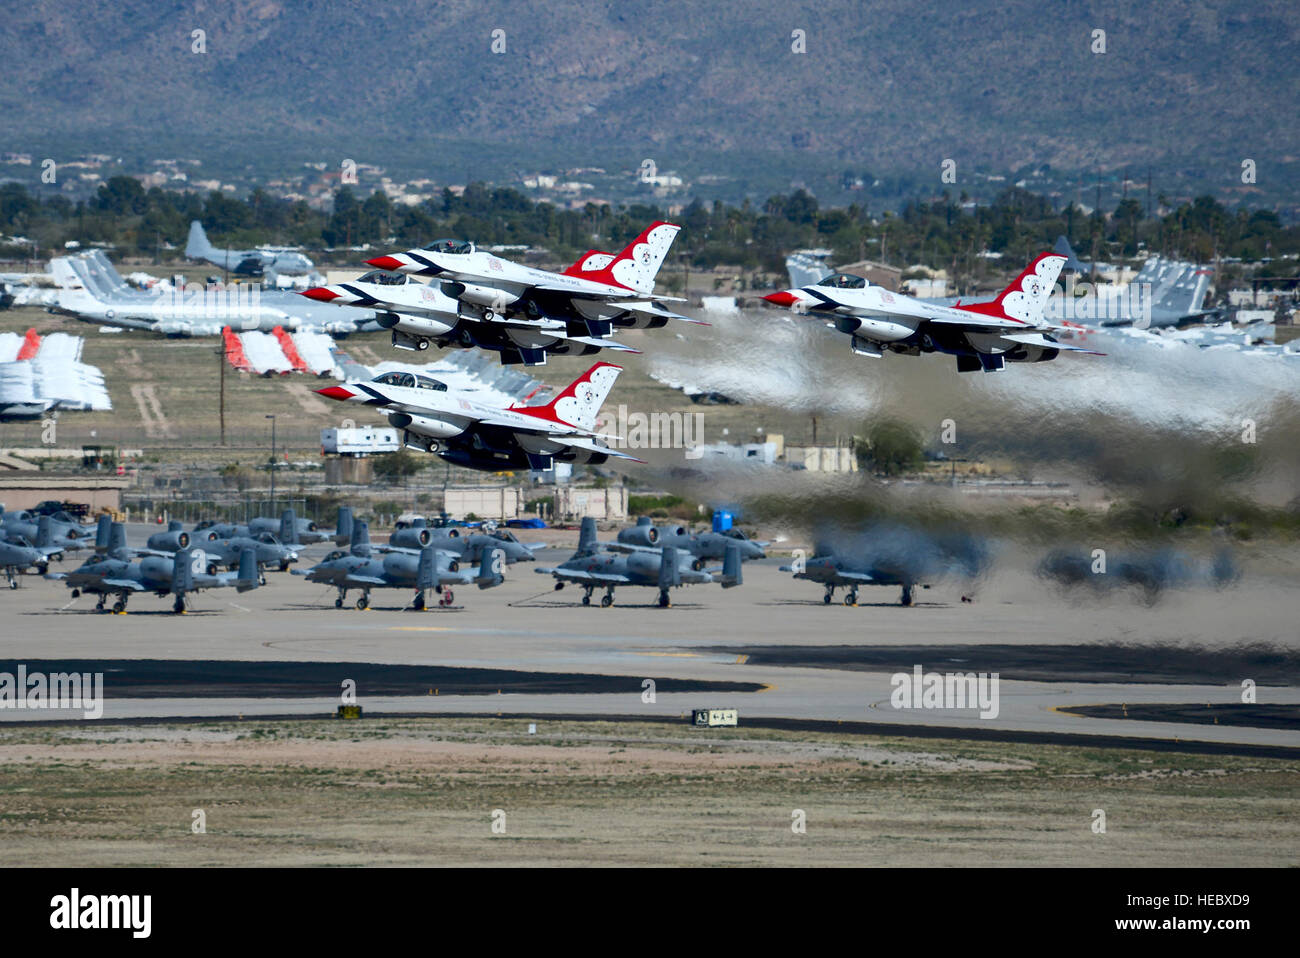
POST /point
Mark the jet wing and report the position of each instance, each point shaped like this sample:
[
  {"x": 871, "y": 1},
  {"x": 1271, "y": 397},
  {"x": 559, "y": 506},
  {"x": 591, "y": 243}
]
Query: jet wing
[
  {"x": 360, "y": 580},
  {"x": 650, "y": 308},
  {"x": 129, "y": 584},
  {"x": 1038, "y": 339},
  {"x": 581, "y": 576},
  {"x": 592, "y": 446}
]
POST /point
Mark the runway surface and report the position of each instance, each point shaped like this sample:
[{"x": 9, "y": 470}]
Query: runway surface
[{"x": 795, "y": 658}]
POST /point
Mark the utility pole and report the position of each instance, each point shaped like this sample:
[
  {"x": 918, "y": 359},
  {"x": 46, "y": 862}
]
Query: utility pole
[
  {"x": 271, "y": 416},
  {"x": 221, "y": 401}
]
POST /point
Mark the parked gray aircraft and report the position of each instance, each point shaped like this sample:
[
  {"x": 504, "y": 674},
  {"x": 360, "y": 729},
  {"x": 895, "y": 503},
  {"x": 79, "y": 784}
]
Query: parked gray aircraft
[
  {"x": 226, "y": 550},
  {"x": 25, "y": 527},
  {"x": 178, "y": 575},
  {"x": 428, "y": 568},
  {"x": 289, "y": 529},
  {"x": 16, "y": 559},
  {"x": 701, "y": 545},
  {"x": 1164, "y": 292},
  {"x": 91, "y": 289},
  {"x": 609, "y": 565},
  {"x": 469, "y": 545},
  {"x": 889, "y": 555},
  {"x": 247, "y": 262}
]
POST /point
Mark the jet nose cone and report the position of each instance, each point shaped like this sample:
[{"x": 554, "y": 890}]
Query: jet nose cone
[
  {"x": 322, "y": 294},
  {"x": 781, "y": 298},
  {"x": 336, "y": 392},
  {"x": 385, "y": 262}
]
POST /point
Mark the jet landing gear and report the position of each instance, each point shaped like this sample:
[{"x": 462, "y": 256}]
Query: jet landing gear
[
  {"x": 607, "y": 599},
  {"x": 99, "y": 606},
  {"x": 664, "y": 601},
  {"x": 829, "y": 596},
  {"x": 363, "y": 601},
  {"x": 851, "y": 597},
  {"x": 906, "y": 598},
  {"x": 120, "y": 605},
  {"x": 343, "y": 594},
  {"x": 586, "y": 594},
  {"x": 418, "y": 602},
  {"x": 178, "y": 606}
]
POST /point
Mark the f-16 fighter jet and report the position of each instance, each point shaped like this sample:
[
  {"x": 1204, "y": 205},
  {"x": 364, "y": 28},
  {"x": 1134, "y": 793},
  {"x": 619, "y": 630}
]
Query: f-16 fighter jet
[
  {"x": 185, "y": 572},
  {"x": 478, "y": 299},
  {"x": 609, "y": 565},
  {"x": 470, "y": 433},
  {"x": 984, "y": 336},
  {"x": 424, "y": 569}
]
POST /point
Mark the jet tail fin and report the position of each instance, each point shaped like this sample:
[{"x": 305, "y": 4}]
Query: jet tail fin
[
  {"x": 360, "y": 538},
  {"x": 1025, "y": 300},
  {"x": 197, "y": 246},
  {"x": 580, "y": 401},
  {"x": 103, "y": 532},
  {"x": 669, "y": 575},
  {"x": 248, "y": 577},
  {"x": 732, "y": 568},
  {"x": 183, "y": 569},
  {"x": 425, "y": 572},
  {"x": 289, "y": 528},
  {"x": 117, "y": 539},
  {"x": 1063, "y": 248},
  {"x": 43, "y": 535},
  {"x": 637, "y": 265},
  {"x": 491, "y": 568},
  {"x": 343, "y": 528},
  {"x": 587, "y": 537}
]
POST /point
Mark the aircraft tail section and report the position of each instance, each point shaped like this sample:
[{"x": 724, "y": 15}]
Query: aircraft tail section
[
  {"x": 592, "y": 261},
  {"x": 587, "y": 537},
  {"x": 343, "y": 528},
  {"x": 184, "y": 569},
  {"x": 580, "y": 401},
  {"x": 732, "y": 568},
  {"x": 426, "y": 572},
  {"x": 43, "y": 535},
  {"x": 197, "y": 246},
  {"x": 669, "y": 575},
  {"x": 103, "y": 531},
  {"x": 1186, "y": 295},
  {"x": 289, "y": 528},
  {"x": 491, "y": 568},
  {"x": 117, "y": 539},
  {"x": 248, "y": 577},
  {"x": 1025, "y": 300},
  {"x": 360, "y": 538},
  {"x": 637, "y": 265}
]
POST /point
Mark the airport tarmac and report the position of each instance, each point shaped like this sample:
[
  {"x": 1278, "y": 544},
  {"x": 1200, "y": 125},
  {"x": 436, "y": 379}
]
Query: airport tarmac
[{"x": 795, "y": 657}]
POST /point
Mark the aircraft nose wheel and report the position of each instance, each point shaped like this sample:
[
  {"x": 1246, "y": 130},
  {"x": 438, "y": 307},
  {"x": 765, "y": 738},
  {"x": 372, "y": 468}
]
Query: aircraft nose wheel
[
  {"x": 826, "y": 599},
  {"x": 586, "y": 600},
  {"x": 338, "y": 603},
  {"x": 363, "y": 603}
]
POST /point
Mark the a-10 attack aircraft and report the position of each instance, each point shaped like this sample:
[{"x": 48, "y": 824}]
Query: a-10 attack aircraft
[
  {"x": 16, "y": 559},
  {"x": 984, "y": 335},
  {"x": 470, "y": 433},
  {"x": 702, "y": 545},
  {"x": 475, "y": 298},
  {"x": 889, "y": 555},
  {"x": 426, "y": 568},
  {"x": 267, "y": 260},
  {"x": 118, "y": 572},
  {"x": 608, "y": 565},
  {"x": 469, "y": 546},
  {"x": 288, "y": 529}
]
